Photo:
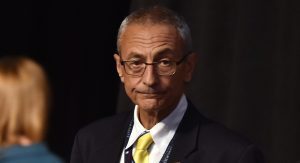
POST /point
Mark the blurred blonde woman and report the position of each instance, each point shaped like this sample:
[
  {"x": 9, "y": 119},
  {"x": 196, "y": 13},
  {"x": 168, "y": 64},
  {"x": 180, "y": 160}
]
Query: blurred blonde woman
[{"x": 23, "y": 112}]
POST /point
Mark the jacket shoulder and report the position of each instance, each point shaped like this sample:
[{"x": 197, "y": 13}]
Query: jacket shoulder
[
  {"x": 94, "y": 142},
  {"x": 215, "y": 141},
  {"x": 219, "y": 140},
  {"x": 214, "y": 133},
  {"x": 106, "y": 127}
]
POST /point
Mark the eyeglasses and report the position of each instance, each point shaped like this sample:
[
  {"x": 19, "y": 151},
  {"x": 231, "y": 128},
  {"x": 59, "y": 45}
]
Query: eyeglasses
[{"x": 164, "y": 67}]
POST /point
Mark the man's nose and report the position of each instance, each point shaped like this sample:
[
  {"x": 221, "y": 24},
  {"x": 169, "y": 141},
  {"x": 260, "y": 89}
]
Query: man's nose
[{"x": 150, "y": 75}]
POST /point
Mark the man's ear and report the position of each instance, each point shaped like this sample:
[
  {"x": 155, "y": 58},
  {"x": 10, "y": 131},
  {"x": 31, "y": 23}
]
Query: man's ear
[
  {"x": 191, "y": 62},
  {"x": 119, "y": 66}
]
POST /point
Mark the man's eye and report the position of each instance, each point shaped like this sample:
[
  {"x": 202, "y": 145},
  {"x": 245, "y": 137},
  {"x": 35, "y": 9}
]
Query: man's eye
[
  {"x": 135, "y": 63},
  {"x": 165, "y": 62}
]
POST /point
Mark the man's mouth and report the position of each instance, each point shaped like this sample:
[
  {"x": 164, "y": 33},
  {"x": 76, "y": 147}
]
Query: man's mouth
[{"x": 151, "y": 94}]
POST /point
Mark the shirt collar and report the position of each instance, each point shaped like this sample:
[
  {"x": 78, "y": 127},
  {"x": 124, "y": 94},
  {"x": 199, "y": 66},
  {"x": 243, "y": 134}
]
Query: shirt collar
[{"x": 162, "y": 130}]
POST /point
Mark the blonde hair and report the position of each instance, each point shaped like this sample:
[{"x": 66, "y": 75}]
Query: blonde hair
[{"x": 23, "y": 100}]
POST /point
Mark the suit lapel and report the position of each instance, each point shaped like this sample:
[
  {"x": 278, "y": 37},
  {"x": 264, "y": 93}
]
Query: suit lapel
[{"x": 185, "y": 140}]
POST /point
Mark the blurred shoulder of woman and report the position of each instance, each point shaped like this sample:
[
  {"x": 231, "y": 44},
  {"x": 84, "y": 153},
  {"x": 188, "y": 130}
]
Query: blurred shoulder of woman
[{"x": 24, "y": 98}]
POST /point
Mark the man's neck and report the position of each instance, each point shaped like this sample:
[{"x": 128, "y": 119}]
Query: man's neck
[{"x": 151, "y": 118}]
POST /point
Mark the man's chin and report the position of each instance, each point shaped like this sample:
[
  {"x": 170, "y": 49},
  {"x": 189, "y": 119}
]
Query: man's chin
[{"x": 150, "y": 105}]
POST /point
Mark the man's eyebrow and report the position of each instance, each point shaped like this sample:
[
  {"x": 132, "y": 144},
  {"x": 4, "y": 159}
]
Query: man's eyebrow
[
  {"x": 165, "y": 52},
  {"x": 135, "y": 55}
]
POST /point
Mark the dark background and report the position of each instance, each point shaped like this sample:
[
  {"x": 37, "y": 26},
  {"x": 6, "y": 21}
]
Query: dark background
[{"x": 247, "y": 77}]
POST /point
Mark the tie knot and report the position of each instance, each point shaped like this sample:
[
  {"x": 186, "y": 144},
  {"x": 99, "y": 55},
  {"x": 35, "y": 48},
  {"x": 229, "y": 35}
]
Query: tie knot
[{"x": 144, "y": 141}]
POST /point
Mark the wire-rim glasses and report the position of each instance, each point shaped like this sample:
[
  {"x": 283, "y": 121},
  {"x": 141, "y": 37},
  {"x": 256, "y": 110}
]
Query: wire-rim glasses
[{"x": 164, "y": 67}]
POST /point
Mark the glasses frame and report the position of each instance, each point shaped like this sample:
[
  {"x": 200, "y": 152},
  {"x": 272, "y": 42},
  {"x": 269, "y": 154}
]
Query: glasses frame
[{"x": 123, "y": 63}]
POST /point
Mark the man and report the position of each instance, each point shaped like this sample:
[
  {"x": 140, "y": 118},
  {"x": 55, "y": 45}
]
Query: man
[{"x": 155, "y": 62}]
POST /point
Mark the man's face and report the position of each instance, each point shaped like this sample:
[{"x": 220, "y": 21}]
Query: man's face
[{"x": 152, "y": 43}]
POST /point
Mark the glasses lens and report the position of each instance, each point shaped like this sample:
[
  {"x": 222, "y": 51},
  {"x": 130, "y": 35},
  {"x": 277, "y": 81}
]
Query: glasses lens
[{"x": 164, "y": 68}]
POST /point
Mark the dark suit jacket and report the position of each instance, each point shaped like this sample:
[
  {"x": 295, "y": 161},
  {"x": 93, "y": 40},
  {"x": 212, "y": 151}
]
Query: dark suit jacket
[{"x": 197, "y": 140}]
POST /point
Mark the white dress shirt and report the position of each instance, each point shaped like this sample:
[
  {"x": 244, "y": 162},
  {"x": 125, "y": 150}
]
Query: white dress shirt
[{"x": 162, "y": 133}]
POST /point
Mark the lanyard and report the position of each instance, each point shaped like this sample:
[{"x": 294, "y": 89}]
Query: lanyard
[{"x": 128, "y": 152}]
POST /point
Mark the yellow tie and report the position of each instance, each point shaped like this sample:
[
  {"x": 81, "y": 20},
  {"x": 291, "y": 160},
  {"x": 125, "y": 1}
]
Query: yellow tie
[{"x": 141, "y": 154}]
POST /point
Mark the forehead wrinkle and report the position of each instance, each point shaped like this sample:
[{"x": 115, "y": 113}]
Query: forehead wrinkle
[
  {"x": 153, "y": 44},
  {"x": 154, "y": 47},
  {"x": 153, "y": 41},
  {"x": 160, "y": 36}
]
